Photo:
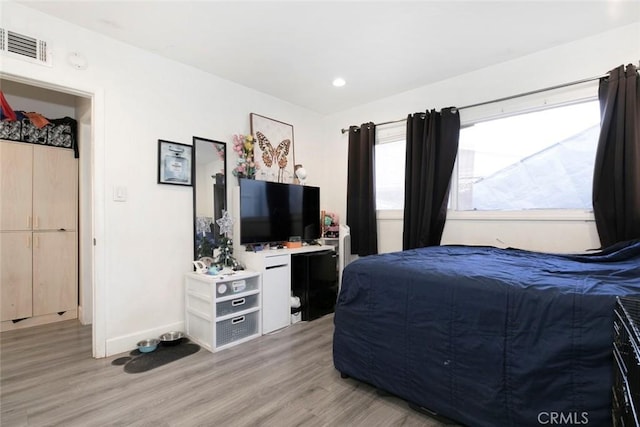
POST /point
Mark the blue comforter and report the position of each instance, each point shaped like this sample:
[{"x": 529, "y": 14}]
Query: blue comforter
[{"x": 487, "y": 336}]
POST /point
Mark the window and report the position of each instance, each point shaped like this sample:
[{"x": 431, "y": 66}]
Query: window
[
  {"x": 538, "y": 160},
  {"x": 389, "y": 166}
]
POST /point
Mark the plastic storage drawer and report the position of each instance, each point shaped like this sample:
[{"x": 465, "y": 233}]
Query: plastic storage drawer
[
  {"x": 235, "y": 287},
  {"x": 236, "y": 328},
  {"x": 235, "y": 305}
]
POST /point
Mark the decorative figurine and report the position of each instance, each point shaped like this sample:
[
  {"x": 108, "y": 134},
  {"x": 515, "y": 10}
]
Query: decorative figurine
[{"x": 225, "y": 256}]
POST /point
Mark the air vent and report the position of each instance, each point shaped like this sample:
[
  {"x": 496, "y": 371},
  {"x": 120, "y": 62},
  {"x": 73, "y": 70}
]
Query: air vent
[{"x": 24, "y": 47}]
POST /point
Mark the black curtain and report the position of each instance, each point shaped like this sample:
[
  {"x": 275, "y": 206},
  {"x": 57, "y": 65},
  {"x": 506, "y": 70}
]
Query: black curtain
[
  {"x": 616, "y": 178},
  {"x": 432, "y": 146},
  {"x": 361, "y": 194}
]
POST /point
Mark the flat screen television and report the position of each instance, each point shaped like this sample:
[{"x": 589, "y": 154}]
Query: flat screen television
[{"x": 274, "y": 212}]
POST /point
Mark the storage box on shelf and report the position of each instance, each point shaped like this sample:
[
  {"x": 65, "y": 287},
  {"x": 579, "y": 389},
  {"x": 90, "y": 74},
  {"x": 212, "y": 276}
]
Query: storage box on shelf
[
  {"x": 57, "y": 133},
  {"x": 223, "y": 311}
]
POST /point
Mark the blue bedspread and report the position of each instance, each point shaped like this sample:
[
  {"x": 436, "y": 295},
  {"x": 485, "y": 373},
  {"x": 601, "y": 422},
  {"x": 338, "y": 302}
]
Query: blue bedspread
[{"x": 487, "y": 336}]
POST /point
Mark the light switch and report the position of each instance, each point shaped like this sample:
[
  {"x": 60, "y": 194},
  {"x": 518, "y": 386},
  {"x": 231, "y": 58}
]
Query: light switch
[{"x": 119, "y": 193}]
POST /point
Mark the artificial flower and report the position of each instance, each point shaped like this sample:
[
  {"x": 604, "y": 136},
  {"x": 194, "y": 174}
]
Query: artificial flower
[{"x": 243, "y": 147}]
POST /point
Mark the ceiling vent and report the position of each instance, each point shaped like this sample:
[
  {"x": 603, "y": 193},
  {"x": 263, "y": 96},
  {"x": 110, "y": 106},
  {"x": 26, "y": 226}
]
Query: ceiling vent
[{"x": 24, "y": 47}]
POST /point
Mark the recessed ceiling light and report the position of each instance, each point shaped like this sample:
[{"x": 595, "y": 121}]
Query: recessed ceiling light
[{"x": 339, "y": 82}]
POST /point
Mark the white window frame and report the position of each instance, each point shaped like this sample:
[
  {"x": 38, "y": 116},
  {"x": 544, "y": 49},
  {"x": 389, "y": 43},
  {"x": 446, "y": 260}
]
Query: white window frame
[{"x": 565, "y": 96}]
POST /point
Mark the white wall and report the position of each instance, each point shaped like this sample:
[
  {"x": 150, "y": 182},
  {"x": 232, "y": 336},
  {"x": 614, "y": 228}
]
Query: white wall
[
  {"x": 585, "y": 58},
  {"x": 145, "y": 244}
]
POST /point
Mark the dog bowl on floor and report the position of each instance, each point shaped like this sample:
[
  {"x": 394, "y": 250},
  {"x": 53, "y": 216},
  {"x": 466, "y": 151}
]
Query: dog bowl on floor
[
  {"x": 147, "y": 346},
  {"x": 172, "y": 338}
]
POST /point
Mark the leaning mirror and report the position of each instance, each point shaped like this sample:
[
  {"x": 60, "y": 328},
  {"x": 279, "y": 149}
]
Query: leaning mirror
[{"x": 209, "y": 194}]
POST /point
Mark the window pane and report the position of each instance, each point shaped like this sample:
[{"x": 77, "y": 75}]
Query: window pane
[
  {"x": 390, "y": 158},
  {"x": 539, "y": 160}
]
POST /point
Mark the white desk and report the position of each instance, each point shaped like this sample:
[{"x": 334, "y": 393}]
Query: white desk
[{"x": 275, "y": 267}]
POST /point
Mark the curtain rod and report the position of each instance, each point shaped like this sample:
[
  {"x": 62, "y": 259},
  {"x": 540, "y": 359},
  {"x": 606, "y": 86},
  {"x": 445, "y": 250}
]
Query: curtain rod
[{"x": 506, "y": 98}]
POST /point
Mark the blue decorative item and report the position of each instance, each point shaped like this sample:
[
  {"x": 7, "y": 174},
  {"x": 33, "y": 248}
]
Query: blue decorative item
[{"x": 212, "y": 271}]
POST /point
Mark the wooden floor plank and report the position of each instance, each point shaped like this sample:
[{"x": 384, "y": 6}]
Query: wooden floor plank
[{"x": 48, "y": 378}]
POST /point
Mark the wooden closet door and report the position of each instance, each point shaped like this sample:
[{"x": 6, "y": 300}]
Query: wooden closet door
[
  {"x": 16, "y": 167},
  {"x": 55, "y": 272},
  {"x": 55, "y": 189},
  {"x": 15, "y": 275}
]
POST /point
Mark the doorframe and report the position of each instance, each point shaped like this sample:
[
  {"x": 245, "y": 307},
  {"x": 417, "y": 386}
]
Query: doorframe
[{"x": 95, "y": 259}]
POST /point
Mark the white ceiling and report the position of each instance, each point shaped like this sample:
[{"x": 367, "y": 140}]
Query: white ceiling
[{"x": 294, "y": 49}]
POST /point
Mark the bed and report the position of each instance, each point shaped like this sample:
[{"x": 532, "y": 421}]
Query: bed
[{"x": 487, "y": 336}]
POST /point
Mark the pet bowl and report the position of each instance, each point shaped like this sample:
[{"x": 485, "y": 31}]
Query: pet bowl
[
  {"x": 147, "y": 346},
  {"x": 171, "y": 338}
]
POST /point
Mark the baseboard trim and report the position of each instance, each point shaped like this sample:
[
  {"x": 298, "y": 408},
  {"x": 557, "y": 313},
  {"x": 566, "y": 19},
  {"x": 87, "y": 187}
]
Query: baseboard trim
[{"x": 126, "y": 343}]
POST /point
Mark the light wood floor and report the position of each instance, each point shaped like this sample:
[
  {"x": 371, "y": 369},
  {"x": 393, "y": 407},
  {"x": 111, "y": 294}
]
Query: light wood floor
[{"x": 48, "y": 378}]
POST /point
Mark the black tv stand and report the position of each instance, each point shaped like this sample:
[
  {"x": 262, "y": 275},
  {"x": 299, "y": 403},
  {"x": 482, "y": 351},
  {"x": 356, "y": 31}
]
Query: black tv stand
[{"x": 314, "y": 279}]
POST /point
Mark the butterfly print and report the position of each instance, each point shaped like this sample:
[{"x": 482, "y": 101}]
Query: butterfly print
[{"x": 271, "y": 155}]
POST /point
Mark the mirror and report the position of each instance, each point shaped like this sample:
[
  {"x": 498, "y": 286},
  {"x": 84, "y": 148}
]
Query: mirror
[{"x": 209, "y": 193}]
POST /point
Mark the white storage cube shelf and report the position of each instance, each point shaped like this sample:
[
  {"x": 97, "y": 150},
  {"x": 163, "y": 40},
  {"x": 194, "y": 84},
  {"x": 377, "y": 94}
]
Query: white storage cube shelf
[{"x": 223, "y": 311}]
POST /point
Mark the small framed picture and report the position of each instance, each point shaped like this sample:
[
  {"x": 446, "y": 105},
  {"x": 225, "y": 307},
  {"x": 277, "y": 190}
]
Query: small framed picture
[{"x": 175, "y": 163}]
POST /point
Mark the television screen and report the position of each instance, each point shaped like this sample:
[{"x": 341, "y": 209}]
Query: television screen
[{"x": 276, "y": 212}]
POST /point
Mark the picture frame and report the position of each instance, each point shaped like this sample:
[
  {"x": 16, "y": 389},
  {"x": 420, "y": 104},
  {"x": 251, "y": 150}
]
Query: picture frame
[
  {"x": 175, "y": 163},
  {"x": 273, "y": 150}
]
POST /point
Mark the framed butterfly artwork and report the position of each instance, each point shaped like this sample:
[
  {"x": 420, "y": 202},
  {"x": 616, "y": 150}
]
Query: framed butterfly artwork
[{"x": 273, "y": 149}]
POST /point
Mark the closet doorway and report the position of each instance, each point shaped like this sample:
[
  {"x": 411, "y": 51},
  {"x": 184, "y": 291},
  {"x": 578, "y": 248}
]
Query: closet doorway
[{"x": 54, "y": 102}]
